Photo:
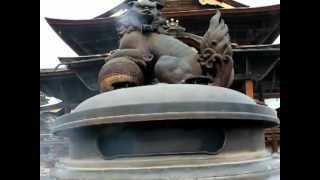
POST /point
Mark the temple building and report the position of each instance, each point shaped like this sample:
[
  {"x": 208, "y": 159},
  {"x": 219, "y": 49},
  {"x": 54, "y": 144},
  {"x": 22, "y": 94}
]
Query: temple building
[{"x": 252, "y": 32}]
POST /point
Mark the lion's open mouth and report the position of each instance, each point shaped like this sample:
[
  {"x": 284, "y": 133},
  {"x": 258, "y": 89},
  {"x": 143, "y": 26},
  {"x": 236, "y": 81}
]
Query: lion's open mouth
[
  {"x": 146, "y": 17},
  {"x": 147, "y": 12}
]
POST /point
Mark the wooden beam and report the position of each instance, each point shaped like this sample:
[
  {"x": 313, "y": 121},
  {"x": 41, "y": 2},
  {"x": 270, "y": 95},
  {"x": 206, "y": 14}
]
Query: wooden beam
[
  {"x": 249, "y": 88},
  {"x": 215, "y": 2}
]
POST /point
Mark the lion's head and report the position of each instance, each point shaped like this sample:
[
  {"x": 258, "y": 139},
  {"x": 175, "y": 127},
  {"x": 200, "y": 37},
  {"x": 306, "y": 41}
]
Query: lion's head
[{"x": 142, "y": 13}]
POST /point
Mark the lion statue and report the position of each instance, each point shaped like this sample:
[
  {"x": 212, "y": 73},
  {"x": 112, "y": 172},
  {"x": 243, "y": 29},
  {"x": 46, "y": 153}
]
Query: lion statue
[{"x": 147, "y": 55}]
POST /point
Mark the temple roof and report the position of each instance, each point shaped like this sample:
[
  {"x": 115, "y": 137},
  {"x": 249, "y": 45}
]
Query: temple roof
[
  {"x": 172, "y": 5},
  {"x": 260, "y": 63},
  {"x": 247, "y": 26}
]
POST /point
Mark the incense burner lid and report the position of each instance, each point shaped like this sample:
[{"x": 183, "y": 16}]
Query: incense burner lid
[{"x": 167, "y": 102}]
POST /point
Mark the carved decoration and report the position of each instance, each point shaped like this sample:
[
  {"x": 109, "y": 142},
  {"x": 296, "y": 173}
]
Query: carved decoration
[
  {"x": 216, "y": 52},
  {"x": 173, "y": 28}
]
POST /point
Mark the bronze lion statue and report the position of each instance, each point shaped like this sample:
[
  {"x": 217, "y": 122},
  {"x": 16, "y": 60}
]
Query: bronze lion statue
[{"x": 148, "y": 55}]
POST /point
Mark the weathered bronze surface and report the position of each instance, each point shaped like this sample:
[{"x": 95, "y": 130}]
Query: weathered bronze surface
[
  {"x": 146, "y": 41},
  {"x": 168, "y": 131},
  {"x": 167, "y": 102}
]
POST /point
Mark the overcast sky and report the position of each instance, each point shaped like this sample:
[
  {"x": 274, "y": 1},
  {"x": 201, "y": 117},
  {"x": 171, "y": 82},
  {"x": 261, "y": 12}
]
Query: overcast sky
[{"x": 51, "y": 46}]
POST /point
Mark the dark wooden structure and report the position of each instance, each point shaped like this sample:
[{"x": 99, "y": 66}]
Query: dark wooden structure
[
  {"x": 257, "y": 70},
  {"x": 248, "y": 26}
]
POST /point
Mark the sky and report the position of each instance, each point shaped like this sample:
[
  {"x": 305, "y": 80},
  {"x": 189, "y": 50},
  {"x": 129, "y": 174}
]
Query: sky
[{"x": 52, "y": 46}]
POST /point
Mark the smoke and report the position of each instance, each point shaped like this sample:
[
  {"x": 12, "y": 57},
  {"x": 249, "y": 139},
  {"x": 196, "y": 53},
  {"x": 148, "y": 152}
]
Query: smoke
[
  {"x": 139, "y": 12},
  {"x": 135, "y": 19}
]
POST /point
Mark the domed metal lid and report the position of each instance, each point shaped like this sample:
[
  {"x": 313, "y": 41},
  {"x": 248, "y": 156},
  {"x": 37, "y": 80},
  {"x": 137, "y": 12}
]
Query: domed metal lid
[{"x": 166, "y": 102}]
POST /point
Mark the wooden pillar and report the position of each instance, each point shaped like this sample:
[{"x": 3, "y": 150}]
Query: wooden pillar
[
  {"x": 249, "y": 88},
  {"x": 274, "y": 143},
  {"x": 260, "y": 92}
]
